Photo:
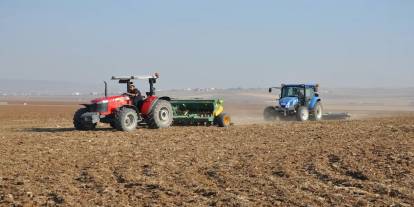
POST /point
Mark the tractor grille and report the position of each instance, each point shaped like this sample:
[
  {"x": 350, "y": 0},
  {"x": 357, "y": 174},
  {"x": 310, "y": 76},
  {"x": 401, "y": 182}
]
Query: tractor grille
[{"x": 99, "y": 107}]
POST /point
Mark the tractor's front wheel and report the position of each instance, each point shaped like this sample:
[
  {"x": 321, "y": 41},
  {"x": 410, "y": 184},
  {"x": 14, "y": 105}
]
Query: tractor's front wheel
[
  {"x": 79, "y": 123},
  {"x": 126, "y": 119},
  {"x": 302, "y": 114},
  {"x": 113, "y": 124},
  {"x": 223, "y": 120},
  {"x": 270, "y": 114},
  {"x": 317, "y": 112},
  {"x": 161, "y": 115}
]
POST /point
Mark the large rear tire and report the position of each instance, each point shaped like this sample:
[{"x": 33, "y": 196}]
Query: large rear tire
[
  {"x": 161, "y": 115},
  {"x": 126, "y": 119},
  {"x": 270, "y": 114},
  {"x": 223, "y": 120},
  {"x": 81, "y": 124},
  {"x": 302, "y": 114},
  {"x": 317, "y": 112}
]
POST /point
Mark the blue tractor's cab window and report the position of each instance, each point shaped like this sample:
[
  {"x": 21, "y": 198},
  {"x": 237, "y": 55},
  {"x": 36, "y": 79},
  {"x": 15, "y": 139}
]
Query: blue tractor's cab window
[{"x": 292, "y": 91}]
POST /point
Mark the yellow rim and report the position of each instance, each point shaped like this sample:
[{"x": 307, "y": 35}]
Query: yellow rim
[{"x": 227, "y": 120}]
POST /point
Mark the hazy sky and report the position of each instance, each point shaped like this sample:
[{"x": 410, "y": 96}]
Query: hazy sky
[{"x": 221, "y": 43}]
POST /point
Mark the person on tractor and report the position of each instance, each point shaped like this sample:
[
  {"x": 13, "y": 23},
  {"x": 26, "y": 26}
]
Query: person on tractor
[
  {"x": 300, "y": 94},
  {"x": 134, "y": 94}
]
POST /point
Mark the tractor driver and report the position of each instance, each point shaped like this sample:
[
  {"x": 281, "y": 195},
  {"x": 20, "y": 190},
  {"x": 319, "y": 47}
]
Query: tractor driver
[
  {"x": 298, "y": 92},
  {"x": 134, "y": 94}
]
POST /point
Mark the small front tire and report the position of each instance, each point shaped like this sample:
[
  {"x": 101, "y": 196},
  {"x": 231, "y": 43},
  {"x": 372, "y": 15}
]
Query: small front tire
[
  {"x": 113, "y": 124},
  {"x": 80, "y": 124},
  {"x": 302, "y": 114}
]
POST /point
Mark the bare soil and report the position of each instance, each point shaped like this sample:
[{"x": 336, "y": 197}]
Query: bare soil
[{"x": 45, "y": 162}]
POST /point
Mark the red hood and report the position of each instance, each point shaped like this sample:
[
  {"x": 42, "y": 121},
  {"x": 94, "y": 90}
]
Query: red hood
[{"x": 109, "y": 98}]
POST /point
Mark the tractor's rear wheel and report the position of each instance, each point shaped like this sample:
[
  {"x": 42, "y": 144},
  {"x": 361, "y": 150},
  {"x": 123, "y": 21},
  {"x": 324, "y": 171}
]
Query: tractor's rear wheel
[
  {"x": 161, "y": 115},
  {"x": 302, "y": 114},
  {"x": 126, "y": 119},
  {"x": 317, "y": 112},
  {"x": 81, "y": 124},
  {"x": 223, "y": 120},
  {"x": 270, "y": 114}
]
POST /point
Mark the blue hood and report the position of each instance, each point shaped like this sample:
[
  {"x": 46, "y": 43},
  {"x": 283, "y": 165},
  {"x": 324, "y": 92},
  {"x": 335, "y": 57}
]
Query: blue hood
[{"x": 288, "y": 102}]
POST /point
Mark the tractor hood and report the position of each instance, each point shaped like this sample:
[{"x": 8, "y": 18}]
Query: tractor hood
[
  {"x": 288, "y": 102},
  {"x": 110, "y": 99}
]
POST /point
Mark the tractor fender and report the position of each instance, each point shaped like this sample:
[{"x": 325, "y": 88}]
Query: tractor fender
[
  {"x": 165, "y": 98},
  {"x": 129, "y": 106},
  {"x": 85, "y": 105},
  {"x": 313, "y": 102},
  {"x": 150, "y": 102}
]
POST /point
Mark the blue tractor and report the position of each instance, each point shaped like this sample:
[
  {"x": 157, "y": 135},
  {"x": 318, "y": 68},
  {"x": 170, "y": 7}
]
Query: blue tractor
[{"x": 296, "y": 100}]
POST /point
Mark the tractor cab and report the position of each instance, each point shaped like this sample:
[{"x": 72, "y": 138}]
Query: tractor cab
[
  {"x": 296, "y": 99},
  {"x": 293, "y": 94}
]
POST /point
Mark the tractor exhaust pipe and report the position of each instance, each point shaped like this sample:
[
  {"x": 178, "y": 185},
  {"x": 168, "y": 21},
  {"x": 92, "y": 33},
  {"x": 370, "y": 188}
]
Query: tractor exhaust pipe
[{"x": 106, "y": 89}]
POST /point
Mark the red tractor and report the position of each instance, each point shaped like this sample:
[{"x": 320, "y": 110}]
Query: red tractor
[{"x": 123, "y": 112}]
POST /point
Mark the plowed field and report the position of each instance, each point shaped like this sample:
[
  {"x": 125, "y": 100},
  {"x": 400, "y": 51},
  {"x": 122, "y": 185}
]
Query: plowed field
[{"x": 45, "y": 162}]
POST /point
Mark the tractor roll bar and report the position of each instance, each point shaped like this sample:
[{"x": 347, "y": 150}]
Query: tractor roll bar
[
  {"x": 106, "y": 89},
  {"x": 136, "y": 77}
]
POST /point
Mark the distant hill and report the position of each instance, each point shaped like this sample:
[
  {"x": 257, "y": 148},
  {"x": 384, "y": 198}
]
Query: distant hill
[{"x": 44, "y": 87}]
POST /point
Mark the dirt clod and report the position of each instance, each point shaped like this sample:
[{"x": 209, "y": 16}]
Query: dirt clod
[
  {"x": 56, "y": 198},
  {"x": 356, "y": 175}
]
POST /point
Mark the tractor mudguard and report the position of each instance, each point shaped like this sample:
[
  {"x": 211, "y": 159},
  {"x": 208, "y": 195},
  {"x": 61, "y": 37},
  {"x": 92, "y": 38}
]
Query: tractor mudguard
[
  {"x": 150, "y": 102},
  {"x": 165, "y": 98},
  {"x": 313, "y": 102}
]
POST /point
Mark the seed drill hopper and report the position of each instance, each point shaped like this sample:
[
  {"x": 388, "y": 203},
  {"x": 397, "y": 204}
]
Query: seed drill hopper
[{"x": 199, "y": 112}]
